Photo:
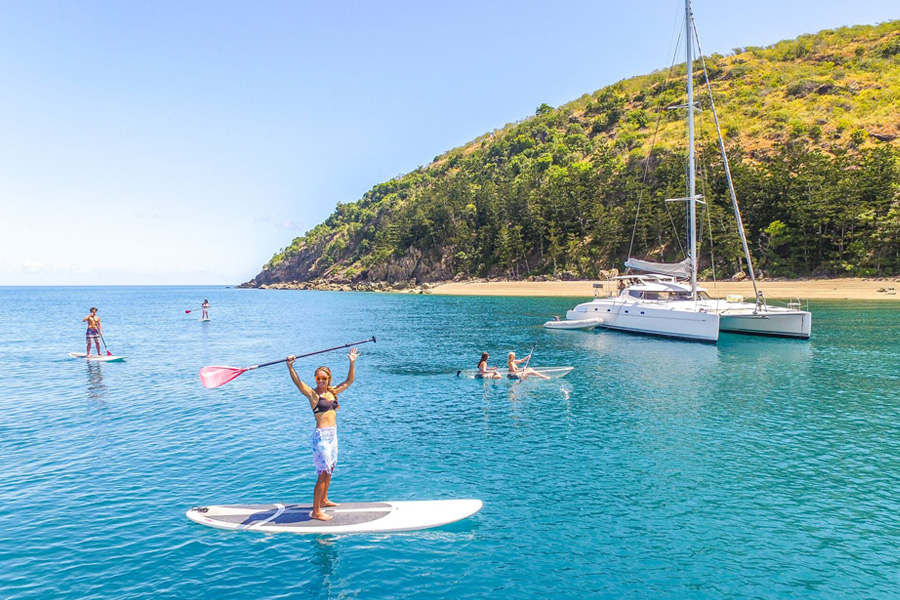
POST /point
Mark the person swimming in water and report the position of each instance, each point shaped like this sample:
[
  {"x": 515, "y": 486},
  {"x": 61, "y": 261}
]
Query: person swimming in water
[
  {"x": 323, "y": 399},
  {"x": 94, "y": 330}
]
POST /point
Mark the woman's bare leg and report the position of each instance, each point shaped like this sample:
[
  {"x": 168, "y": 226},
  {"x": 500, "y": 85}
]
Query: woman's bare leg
[
  {"x": 533, "y": 372},
  {"x": 325, "y": 500},
  {"x": 318, "y": 494}
]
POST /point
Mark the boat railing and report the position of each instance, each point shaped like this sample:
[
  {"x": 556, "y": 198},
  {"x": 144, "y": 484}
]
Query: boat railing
[
  {"x": 762, "y": 304},
  {"x": 798, "y": 304}
]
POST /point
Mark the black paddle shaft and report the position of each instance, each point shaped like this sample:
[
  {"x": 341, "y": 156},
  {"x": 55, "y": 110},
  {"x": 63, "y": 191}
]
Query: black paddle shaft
[
  {"x": 275, "y": 362},
  {"x": 530, "y": 353}
]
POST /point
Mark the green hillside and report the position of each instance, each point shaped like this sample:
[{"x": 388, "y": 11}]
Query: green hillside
[{"x": 811, "y": 125}]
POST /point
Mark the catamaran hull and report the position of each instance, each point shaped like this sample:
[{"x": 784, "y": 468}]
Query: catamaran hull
[
  {"x": 793, "y": 324},
  {"x": 662, "y": 321}
]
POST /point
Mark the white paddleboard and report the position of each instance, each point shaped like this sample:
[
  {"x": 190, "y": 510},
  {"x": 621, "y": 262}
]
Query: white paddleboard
[
  {"x": 97, "y": 357},
  {"x": 204, "y": 320},
  {"x": 351, "y": 517}
]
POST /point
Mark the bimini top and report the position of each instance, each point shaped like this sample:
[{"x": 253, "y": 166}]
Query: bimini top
[
  {"x": 654, "y": 287},
  {"x": 681, "y": 269}
]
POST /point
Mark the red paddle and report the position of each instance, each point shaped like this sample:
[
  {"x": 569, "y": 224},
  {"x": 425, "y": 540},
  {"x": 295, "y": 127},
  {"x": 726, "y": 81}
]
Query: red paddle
[
  {"x": 213, "y": 377},
  {"x": 190, "y": 311},
  {"x": 108, "y": 353}
]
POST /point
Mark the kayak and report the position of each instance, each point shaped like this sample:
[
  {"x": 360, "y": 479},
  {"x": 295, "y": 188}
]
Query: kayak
[
  {"x": 551, "y": 372},
  {"x": 574, "y": 324}
]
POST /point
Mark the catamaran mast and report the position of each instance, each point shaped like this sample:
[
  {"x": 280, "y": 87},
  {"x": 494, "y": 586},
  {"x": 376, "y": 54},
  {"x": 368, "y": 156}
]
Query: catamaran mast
[{"x": 692, "y": 188}]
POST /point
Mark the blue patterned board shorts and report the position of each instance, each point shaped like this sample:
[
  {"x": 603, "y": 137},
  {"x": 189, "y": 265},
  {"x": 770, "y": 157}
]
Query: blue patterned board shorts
[
  {"x": 92, "y": 334},
  {"x": 325, "y": 449}
]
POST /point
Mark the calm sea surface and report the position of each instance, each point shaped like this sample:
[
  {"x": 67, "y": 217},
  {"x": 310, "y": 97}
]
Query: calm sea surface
[{"x": 756, "y": 468}]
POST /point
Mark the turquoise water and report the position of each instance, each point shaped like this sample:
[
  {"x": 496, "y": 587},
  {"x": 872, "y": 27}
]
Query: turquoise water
[{"x": 756, "y": 468}]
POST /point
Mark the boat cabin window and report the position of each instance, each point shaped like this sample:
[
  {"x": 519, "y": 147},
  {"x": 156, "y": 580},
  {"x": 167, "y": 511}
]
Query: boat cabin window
[{"x": 666, "y": 296}]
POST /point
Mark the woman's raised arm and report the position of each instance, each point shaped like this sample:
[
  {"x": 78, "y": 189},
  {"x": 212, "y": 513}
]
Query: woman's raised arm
[
  {"x": 351, "y": 374},
  {"x": 304, "y": 389}
]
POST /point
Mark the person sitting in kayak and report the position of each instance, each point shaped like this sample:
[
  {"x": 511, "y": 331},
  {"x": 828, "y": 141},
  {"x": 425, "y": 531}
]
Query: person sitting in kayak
[
  {"x": 205, "y": 307},
  {"x": 486, "y": 372},
  {"x": 323, "y": 399},
  {"x": 94, "y": 330},
  {"x": 515, "y": 371}
]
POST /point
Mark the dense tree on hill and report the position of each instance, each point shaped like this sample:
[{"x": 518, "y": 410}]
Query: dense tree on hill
[{"x": 811, "y": 125}]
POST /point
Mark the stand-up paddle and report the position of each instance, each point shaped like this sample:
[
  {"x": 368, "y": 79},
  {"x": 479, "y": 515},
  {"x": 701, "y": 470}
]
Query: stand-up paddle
[
  {"x": 187, "y": 312},
  {"x": 213, "y": 377},
  {"x": 528, "y": 360},
  {"x": 108, "y": 353},
  {"x": 530, "y": 353}
]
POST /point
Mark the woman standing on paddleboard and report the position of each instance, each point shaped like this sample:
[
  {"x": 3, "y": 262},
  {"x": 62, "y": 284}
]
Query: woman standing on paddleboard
[{"x": 323, "y": 399}]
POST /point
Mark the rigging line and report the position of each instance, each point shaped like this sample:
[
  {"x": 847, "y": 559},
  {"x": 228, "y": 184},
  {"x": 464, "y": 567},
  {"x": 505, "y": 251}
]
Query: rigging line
[
  {"x": 703, "y": 183},
  {"x": 653, "y": 141},
  {"x": 675, "y": 227},
  {"x": 737, "y": 210},
  {"x": 708, "y": 194},
  {"x": 712, "y": 253}
]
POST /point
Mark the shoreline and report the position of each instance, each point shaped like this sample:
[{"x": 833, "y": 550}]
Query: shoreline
[{"x": 810, "y": 289}]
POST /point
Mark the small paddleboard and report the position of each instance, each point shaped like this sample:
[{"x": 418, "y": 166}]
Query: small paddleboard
[
  {"x": 551, "y": 372},
  {"x": 352, "y": 517},
  {"x": 204, "y": 320},
  {"x": 97, "y": 357}
]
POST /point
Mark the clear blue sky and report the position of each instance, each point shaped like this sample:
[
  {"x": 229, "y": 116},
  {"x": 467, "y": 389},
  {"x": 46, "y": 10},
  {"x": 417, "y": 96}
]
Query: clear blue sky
[{"x": 185, "y": 142}]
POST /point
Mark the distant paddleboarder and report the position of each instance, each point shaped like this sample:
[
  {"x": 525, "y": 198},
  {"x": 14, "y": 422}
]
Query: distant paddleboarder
[
  {"x": 94, "y": 330},
  {"x": 205, "y": 307},
  {"x": 323, "y": 399}
]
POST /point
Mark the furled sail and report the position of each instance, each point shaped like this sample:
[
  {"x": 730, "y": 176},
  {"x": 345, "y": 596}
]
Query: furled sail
[{"x": 682, "y": 269}]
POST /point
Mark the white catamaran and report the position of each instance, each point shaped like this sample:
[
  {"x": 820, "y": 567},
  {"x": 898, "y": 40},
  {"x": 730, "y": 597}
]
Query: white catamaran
[{"x": 667, "y": 300}]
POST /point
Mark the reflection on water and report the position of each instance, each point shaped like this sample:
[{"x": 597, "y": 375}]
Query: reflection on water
[
  {"x": 541, "y": 390},
  {"x": 325, "y": 558},
  {"x": 96, "y": 388}
]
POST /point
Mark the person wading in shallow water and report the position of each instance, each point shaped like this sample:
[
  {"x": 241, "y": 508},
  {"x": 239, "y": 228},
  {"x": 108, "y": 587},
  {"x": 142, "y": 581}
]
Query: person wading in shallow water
[
  {"x": 323, "y": 399},
  {"x": 94, "y": 330}
]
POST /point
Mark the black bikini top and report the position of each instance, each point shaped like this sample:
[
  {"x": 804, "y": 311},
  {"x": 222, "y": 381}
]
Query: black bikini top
[{"x": 323, "y": 405}]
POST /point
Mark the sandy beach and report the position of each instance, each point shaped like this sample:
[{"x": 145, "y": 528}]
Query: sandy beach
[{"x": 812, "y": 289}]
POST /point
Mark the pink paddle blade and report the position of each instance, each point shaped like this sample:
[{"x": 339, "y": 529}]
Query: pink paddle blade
[
  {"x": 186, "y": 312},
  {"x": 213, "y": 377}
]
